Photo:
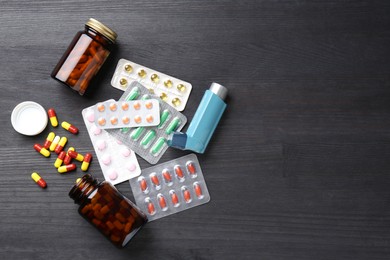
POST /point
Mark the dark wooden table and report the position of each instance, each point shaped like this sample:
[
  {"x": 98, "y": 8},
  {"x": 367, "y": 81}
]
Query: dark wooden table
[{"x": 297, "y": 169}]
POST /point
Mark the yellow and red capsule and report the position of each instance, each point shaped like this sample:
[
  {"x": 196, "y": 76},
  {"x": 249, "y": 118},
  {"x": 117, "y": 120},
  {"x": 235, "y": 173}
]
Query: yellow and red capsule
[
  {"x": 61, "y": 144},
  {"x": 40, "y": 149},
  {"x": 86, "y": 161},
  {"x": 67, "y": 168},
  {"x": 53, "y": 117},
  {"x": 68, "y": 159},
  {"x": 60, "y": 159},
  {"x": 49, "y": 139},
  {"x": 38, "y": 179},
  {"x": 75, "y": 155},
  {"x": 71, "y": 128}
]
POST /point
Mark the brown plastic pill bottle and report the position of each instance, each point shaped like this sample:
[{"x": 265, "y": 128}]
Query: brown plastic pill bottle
[
  {"x": 110, "y": 212},
  {"x": 84, "y": 56}
]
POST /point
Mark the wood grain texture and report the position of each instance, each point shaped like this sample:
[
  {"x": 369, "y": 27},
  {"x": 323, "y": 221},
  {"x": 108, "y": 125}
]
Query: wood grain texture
[{"x": 298, "y": 167}]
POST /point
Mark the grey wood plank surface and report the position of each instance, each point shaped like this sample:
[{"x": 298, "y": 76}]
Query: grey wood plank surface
[{"x": 298, "y": 167}]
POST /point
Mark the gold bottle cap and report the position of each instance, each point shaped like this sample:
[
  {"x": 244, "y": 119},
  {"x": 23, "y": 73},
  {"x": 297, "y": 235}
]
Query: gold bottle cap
[{"x": 101, "y": 28}]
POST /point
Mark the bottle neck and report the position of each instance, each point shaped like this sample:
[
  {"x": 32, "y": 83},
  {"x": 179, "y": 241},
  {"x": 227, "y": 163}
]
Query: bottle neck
[{"x": 83, "y": 188}]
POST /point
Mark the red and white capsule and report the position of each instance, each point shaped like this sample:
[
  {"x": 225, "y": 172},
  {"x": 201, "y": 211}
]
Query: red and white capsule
[
  {"x": 150, "y": 206},
  {"x": 191, "y": 169},
  {"x": 154, "y": 179},
  {"x": 162, "y": 202},
  {"x": 174, "y": 198},
  {"x": 186, "y": 194},
  {"x": 143, "y": 185},
  {"x": 198, "y": 190},
  {"x": 179, "y": 173}
]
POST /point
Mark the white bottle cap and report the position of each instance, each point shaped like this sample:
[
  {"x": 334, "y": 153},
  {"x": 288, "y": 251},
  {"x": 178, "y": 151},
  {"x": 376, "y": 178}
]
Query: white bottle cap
[{"x": 29, "y": 118}]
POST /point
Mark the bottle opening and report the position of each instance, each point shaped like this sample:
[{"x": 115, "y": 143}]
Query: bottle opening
[{"x": 83, "y": 188}]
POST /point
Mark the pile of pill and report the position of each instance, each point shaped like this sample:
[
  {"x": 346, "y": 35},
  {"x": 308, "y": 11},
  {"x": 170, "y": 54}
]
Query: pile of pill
[
  {"x": 55, "y": 143},
  {"x": 170, "y": 187},
  {"x": 149, "y": 142},
  {"x": 118, "y": 162},
  {"x": 173, "y": 91},
  {"x": 112, "y": 114}
]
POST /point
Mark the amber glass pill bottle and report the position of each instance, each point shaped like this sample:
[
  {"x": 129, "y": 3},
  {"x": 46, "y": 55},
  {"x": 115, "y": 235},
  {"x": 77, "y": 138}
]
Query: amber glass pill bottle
[
  {"x": 84, "y": 56},
  {"x": 110, "y": 212}
]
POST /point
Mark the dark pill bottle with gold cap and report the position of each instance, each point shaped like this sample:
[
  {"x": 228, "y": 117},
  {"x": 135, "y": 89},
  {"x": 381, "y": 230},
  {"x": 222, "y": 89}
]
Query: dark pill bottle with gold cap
[
  {"x": 102, "y": 205},
  {"x": 84, "y": 56}
]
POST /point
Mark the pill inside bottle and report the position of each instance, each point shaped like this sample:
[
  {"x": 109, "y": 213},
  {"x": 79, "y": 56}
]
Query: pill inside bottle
[{"x": 84, "y": 56}]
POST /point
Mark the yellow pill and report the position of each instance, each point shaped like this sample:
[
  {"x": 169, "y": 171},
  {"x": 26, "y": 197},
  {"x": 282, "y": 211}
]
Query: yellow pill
[
  {"x": 54, "y": 143},
  {"x": 123, "y": 82},
  {"x": 168, "y": 83},
  {"x": 142, "y": 73},
  {"x": 128, "y": 68},
  {"x": 164, "y": 96},
  {"x": 155, "y": 78},
  {"x": 176, "y": 102},
  {"x": 181, "y": 87}
]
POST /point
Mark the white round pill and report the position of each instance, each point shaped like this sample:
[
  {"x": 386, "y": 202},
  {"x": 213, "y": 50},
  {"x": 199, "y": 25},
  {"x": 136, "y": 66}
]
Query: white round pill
[
  {"x": 113, "y": 175},
  {"x": 106, "y": 159},
  {"x": 126, "y": 152},
  {"x": 101, "y": 145},
  {"x": 91, "y": 116},
  {"x": 96, "y": 130},
  {"x": 131, "y": 167}
]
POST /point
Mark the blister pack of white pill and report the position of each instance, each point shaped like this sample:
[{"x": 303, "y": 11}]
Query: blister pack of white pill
[
  {"x": 117, "y": 161},
  {"x": 149, "y": 142},
  {"x": 173, "y": 91},
  {"x": 170, "y": 187},
  {"x": 113, "y": 114}
]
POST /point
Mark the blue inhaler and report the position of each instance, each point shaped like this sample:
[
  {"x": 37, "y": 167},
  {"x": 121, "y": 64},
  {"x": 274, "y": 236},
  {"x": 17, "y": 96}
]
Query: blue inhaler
[{"x": 205, "y": 121}]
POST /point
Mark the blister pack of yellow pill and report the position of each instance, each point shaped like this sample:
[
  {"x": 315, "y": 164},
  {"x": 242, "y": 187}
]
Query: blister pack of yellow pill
[{"x": 172, "y": 90}]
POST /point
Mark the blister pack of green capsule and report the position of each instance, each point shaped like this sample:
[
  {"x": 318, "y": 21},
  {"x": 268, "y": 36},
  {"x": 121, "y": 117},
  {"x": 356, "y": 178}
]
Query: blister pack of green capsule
[{"x": 149, "y": 142}]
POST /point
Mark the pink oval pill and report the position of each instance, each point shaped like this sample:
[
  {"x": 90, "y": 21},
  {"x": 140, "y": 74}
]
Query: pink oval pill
[
  {"x": 113, "y": 175},
  {"x": 106, "y": 159},
  {"x": 126, "y": 152},
  {"x": 96, "y": 130},
  {"x": 91, "y": 116},
  {"x": 131, "y": 167},
  {"x": 101, "y": 145}
]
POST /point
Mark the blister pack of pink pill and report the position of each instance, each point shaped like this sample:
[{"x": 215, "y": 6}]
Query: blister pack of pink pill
[
  {"x": 170, "y": 187},
  {"x": 149, "y": 142},
  {"x": 113, "y": 114},
  {"x": 117, "y": 161},
  {"x": 171, "y": 90}
]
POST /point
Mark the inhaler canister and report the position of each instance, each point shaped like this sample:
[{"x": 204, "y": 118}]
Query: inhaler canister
[{"x": 205, "y": 121}]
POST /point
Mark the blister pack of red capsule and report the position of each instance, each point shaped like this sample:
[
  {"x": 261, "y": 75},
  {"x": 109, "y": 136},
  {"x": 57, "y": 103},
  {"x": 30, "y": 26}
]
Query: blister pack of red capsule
[
  {"x": 173, "y": 91},
  {"x": 112, "y": 114},
  {"x": 117, "y": 161},
  {"x": 170, "y": 187},
  {"x": 149, "y": 142}
]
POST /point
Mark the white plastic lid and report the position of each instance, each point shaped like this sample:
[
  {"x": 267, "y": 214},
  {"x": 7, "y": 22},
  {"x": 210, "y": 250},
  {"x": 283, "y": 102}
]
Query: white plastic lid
[{"x": 29, "y": 118}]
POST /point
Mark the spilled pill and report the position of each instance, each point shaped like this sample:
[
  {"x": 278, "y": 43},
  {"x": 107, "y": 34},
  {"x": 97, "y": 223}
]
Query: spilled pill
[
  {"x": 53, "y": 117},
  {"x": 40, "y": 149},
  {"x": 38, "y": 179}
]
